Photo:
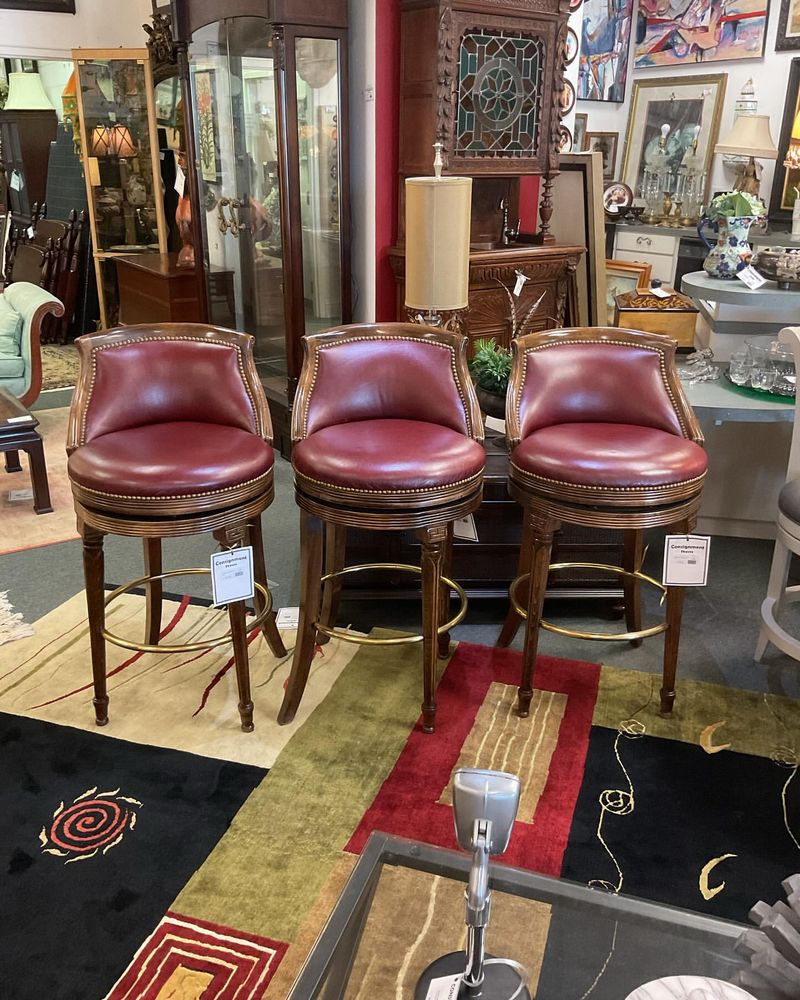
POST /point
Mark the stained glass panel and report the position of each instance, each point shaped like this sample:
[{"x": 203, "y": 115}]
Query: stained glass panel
[{"x": 500, "y": 82}]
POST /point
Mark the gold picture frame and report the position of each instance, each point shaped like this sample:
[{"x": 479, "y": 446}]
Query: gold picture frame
[
  {"x": 624, "y": 276},
  {"x": 683, "y": 103}
]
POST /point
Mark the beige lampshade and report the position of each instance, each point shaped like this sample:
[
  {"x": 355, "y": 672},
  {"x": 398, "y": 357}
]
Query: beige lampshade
[
  {"x": 26, "y": 93},
  {"x": 121, "y": 142},
  {"x": 437, "y": 242},
  {"x": 100, "y": 141},
  {"x": 750, "y": 136}
]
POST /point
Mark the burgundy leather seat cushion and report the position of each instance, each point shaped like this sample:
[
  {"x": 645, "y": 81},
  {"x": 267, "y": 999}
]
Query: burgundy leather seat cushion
[
  {"x": 396, "y": 455},
  {"x": 609, "y": 455},
  {"x": 171, "y": 459}
]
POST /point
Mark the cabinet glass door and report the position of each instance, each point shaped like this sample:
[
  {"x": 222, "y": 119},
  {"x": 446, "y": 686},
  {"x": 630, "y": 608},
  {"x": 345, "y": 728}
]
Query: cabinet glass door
[{"x": 233, "y": 91}]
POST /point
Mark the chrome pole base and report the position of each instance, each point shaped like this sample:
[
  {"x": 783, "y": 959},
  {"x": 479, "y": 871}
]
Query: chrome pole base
[{"x": 500, "y": 982}]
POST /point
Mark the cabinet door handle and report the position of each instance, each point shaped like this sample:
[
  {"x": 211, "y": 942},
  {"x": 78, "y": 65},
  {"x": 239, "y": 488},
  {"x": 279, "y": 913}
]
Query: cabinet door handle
[
  {"x": 223, "y": 223},
  {"x": 643, "y": 239}
]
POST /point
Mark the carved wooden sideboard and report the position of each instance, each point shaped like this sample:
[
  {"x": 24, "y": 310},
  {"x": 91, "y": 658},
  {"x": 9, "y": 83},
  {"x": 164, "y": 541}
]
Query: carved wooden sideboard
[{"x": 493, "y": 275}]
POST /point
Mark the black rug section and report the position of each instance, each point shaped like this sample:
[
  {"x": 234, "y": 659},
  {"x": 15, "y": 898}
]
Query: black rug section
[
  {"x": 70, "y": 928},
  {"x": 690, "y": 807}
]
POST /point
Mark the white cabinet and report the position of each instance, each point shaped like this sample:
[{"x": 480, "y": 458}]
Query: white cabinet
[{"x": 660, "y": 250}]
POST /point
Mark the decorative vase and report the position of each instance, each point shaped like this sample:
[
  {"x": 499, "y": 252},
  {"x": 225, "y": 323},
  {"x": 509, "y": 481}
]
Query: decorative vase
[
  {"x": 732, "y": 252},
  {"x": 493, "y": 404}
]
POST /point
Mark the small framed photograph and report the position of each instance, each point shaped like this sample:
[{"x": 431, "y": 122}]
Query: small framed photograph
[
  {"x": 788, "y": 36},
  {"x": 624, "y": 276},
  {"x": 606, "y": 144}
]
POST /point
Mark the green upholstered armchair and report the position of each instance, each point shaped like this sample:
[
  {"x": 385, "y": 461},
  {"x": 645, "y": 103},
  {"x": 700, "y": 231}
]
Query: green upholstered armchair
[{"x": 23, "y": 307}]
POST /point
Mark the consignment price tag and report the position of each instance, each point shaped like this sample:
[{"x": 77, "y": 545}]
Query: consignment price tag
[
  {"x": 686, "y": 560},
  {"x": 232, "y": 575}
]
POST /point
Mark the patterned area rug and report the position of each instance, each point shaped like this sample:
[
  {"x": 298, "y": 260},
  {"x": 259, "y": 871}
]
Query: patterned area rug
[
  {"x": 22, "y": 528},
  {"x": 702, "y": 810},
  {"x": 60, "y": 366}
]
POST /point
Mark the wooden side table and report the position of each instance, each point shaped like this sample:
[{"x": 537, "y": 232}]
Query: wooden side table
[{"x": 18, "y": 433}]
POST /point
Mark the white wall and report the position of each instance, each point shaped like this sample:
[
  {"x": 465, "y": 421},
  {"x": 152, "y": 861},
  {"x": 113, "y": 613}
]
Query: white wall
[
  {"x": 770, "y": 75},
  {"x": 361, "y": 16},
  {"x": 98, "y": 24}
]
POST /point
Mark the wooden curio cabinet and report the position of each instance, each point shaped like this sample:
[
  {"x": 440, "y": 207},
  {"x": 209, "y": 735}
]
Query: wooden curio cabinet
[
  {"x": 265, "y": 99},
  {"x": 485, "y": 79}
]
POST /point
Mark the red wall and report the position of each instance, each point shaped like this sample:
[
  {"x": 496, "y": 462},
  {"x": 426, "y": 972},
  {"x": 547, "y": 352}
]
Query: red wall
[{"x": 387, "y": 103}]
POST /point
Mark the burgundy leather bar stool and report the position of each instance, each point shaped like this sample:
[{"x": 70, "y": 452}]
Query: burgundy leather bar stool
[
  {"x": 169, "y": 435},
  {"x": 600, "y": 434},
  {"x": 387, "y": 433}
]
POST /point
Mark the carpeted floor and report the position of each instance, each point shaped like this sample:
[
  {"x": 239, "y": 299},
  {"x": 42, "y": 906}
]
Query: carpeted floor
[
  {"x": 701, "y": 810},
  {"x": 60, "y": 366}
]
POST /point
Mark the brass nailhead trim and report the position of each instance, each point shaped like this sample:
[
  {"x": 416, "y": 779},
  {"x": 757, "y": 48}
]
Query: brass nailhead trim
[
  {"x": 619, "y": 343},
  {"x": 424, "y": 489},
  {"x": 174, "y": 496},
  {"x": 606, "y": 489},
  {"x": 141, "y": 340},
  {"x": 411, "y": 340}
]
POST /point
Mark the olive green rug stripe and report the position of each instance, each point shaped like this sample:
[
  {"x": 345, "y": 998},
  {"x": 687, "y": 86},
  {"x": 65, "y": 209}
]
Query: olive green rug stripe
[
  {"x": 269, "y": 868},
  {"x": 707, "y": 715}
]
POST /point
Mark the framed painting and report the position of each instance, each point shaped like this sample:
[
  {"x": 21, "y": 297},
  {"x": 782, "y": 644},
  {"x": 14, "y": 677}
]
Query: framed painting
[
  {"x": 624, "y": 276},
  {"x": 786, "y": 180},
  {"x": 788, "y": 36},
  {"x": 690, "y": 106},
  {"x": 604, "y": 143},
  {"x": 53, "y": 6},
  {"x": 579, "y": 132},
  {"x": 603, "y": 62},
  {"x": 688, "y": 33},
  {"x": 207, "y": 147}
]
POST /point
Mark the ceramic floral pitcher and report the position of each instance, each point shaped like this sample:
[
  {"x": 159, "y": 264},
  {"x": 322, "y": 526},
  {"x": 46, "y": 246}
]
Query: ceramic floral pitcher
[{"x": 731, "y": 252}]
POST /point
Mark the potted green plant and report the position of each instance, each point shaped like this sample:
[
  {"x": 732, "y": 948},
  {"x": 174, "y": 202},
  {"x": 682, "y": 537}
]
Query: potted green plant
[
  {"x": 490, "y": 369},
  {"x": 732, "y": 214}
]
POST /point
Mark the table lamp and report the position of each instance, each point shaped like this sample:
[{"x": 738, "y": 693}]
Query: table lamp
[
  {"x": 438, "y": 211},
  {"x": 121, "y": 142},
  {"x": 750, "y": 135},
  {"x": 26, "y": 93}
]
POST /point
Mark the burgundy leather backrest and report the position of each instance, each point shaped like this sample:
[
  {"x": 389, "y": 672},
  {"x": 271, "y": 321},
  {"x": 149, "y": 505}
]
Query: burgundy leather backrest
[
  {"x": 158, "y": 381},
  {"x": 574, "y": 382},
  {"x": 384, "y": 377}
]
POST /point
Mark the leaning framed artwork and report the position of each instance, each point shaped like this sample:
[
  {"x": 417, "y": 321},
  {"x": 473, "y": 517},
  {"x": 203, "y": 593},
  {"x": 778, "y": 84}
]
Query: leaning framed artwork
[
  {"x": 786, "y": 180},
  {"x": 690, "y": 32},
  {"x": 603, "y": 64},
  {"x": 624, "y": 276},
  {"x": 788, "y": 36},
  {"x": 604, "y": 143},
  {"x": 690, "y": 106}
]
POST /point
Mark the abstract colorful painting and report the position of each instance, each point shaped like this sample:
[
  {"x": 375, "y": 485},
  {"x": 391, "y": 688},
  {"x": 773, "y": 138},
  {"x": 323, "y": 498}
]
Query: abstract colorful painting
[
  {"x": 603, "y": 66},
  {"x": 688, "y": 32}
]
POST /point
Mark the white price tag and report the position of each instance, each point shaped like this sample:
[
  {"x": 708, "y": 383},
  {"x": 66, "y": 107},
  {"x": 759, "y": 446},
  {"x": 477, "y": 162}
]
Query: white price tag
[
  {"x": 521, "y": 279},
  {"x": 31, "y": 232},
  {"x": 16, "y": 183},
  {"x": 445, "y": 987},
  {"x": 750, "y": 277},
  {"x": 17, "y": 496},
  {"x": 686, "y": 560},
  {"x": 659, "y": 293},
  {"x": 465, "y": 528},
  {"x": 24, "y": 419},
  {"x": 288, "y": 618},
  {"x": 232, "y": 575},
  {"x": 180, "y": 180}
]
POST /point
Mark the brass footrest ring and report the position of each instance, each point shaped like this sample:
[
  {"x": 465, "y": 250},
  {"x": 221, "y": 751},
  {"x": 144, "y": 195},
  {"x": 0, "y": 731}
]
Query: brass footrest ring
[
  {"x": 187, "y": 647},
  {"x": 600, "y": 636},
  {"x": 346, "y": 635}
]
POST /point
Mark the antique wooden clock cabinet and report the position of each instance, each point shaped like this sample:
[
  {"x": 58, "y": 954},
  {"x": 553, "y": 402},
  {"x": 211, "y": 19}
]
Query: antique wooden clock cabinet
[
  {"x": 264, "y": 86},
  {"x": 486, "y": 79}
]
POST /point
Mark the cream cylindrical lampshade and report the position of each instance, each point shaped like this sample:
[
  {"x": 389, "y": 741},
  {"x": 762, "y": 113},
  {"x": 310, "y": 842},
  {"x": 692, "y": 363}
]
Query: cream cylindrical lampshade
[
  {"x": 750, "y": 136},
  {"x": 438, "y": 213},
  {"x": 26, "y": 93}
]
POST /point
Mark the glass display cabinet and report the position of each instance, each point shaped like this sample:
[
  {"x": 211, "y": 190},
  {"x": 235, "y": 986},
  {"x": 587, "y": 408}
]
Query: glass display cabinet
[
  {"x": 121, "y": 161},
  {"x": 265, "y": 85}
]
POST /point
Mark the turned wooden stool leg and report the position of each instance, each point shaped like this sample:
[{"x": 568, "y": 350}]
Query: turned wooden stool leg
[
  {"x": 443, "y": 642},
  {"x": 434, "y": 540},
  {"x": 672, "y": 636},
  {"x": 236, "y": 534},
  {"x": 153, "y": 591},
  {"x": 335, "y": 552},
  {"x": 268, "y": 627},
  {"x": 541, "y": 530},
  {"x": 513, "y": 620},
  {"x": 310, "y": 595},
  {"x": 633, "y": 552},
  {"x": 94, "y": 576}
]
